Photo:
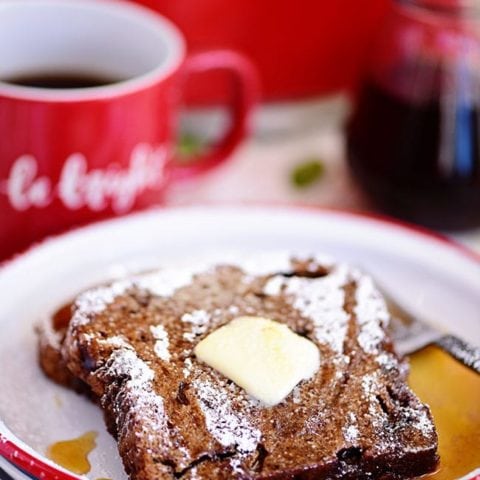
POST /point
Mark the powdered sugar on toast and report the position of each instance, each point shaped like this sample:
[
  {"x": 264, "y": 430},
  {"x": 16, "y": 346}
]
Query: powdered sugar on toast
[
  {"x": 319, "y": 299},
  {"x": 198, "y": 321},
  {"x": 165, "y": 282},
  {"x": 138, "y": 389},
  {"x": 161, "y": 342},
  {"x": 372, "y": 314},
  {"x": 173, "y": 320},
  {"x": 96, "y": 300},
  {"x": 229, "y": 427},
  {"x": 322, "y": 300}
]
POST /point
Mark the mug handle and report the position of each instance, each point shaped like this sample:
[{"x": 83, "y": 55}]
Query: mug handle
[{"x": 244, "y": 98}]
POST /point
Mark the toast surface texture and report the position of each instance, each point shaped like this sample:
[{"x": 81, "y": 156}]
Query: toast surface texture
[{"x": 132, "y": 343}]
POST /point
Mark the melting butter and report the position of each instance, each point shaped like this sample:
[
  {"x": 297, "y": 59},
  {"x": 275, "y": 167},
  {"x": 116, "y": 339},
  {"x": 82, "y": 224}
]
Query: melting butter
[{"x": 262, "y": 356}]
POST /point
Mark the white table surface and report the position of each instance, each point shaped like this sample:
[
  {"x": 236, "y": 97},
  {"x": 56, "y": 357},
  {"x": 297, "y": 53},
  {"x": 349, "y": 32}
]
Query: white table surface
[{"x": 284, "y": 136}]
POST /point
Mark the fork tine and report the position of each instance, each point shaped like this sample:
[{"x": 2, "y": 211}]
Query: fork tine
[{"x": 411, "y": 334}]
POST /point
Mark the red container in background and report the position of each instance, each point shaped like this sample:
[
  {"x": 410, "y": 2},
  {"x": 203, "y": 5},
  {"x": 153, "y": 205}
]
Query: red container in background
[{"x": 301, "y": 48}]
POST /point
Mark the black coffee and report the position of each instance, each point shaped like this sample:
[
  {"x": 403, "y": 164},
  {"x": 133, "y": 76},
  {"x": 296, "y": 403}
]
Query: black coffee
[{"x": 61, "y": 80}]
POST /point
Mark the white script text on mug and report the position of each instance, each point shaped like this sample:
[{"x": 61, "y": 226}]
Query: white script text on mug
[{"x": 77, "y": 187}]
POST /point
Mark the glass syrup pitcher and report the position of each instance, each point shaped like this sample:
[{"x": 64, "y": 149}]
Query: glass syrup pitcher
[{"x": 413, "y": 141}]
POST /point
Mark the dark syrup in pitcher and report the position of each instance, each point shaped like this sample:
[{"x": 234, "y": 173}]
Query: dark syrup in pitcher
[{"x": 419, "y": 161}]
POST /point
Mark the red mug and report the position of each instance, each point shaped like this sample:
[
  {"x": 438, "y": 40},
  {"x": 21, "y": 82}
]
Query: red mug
[{"x": 69, "y": 156}]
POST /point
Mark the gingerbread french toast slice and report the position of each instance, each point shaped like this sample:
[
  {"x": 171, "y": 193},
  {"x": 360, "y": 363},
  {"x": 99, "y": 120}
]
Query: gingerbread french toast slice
[{"x": 134, "y": 343}]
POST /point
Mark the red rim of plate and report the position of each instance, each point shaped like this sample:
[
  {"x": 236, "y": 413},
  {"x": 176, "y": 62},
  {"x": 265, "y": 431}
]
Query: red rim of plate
[
  {"x": 32, "y": 465},
  {"x": 26, "y": 462}
]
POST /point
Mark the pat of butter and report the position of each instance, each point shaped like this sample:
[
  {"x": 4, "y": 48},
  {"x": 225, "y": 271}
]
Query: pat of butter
[{"x": 264, "y": 357}]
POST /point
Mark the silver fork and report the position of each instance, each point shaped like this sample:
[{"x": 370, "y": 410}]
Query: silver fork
[{"x": 411, "y": 334}]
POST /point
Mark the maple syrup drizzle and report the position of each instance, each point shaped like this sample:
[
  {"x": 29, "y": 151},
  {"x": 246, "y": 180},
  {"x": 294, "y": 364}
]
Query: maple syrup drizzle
[
  {"x": 453, "y": 393},
  {"x": 73, "y": 454}
]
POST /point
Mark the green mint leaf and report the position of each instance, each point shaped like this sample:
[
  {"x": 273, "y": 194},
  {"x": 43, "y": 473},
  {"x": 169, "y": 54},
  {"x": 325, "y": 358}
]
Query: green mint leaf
[
  {"x": 189, "y": 145},
  {"x": 307, "y": 173}
]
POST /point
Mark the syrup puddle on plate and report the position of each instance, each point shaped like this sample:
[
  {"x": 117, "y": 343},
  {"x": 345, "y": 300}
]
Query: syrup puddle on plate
[
  {"x": 453, "y": 393},
  {"x": 73, "y": 454}
]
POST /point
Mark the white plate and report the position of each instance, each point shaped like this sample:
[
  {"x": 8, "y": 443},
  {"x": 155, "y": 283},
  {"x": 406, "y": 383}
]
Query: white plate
[{"x": 434, "y": 278}]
